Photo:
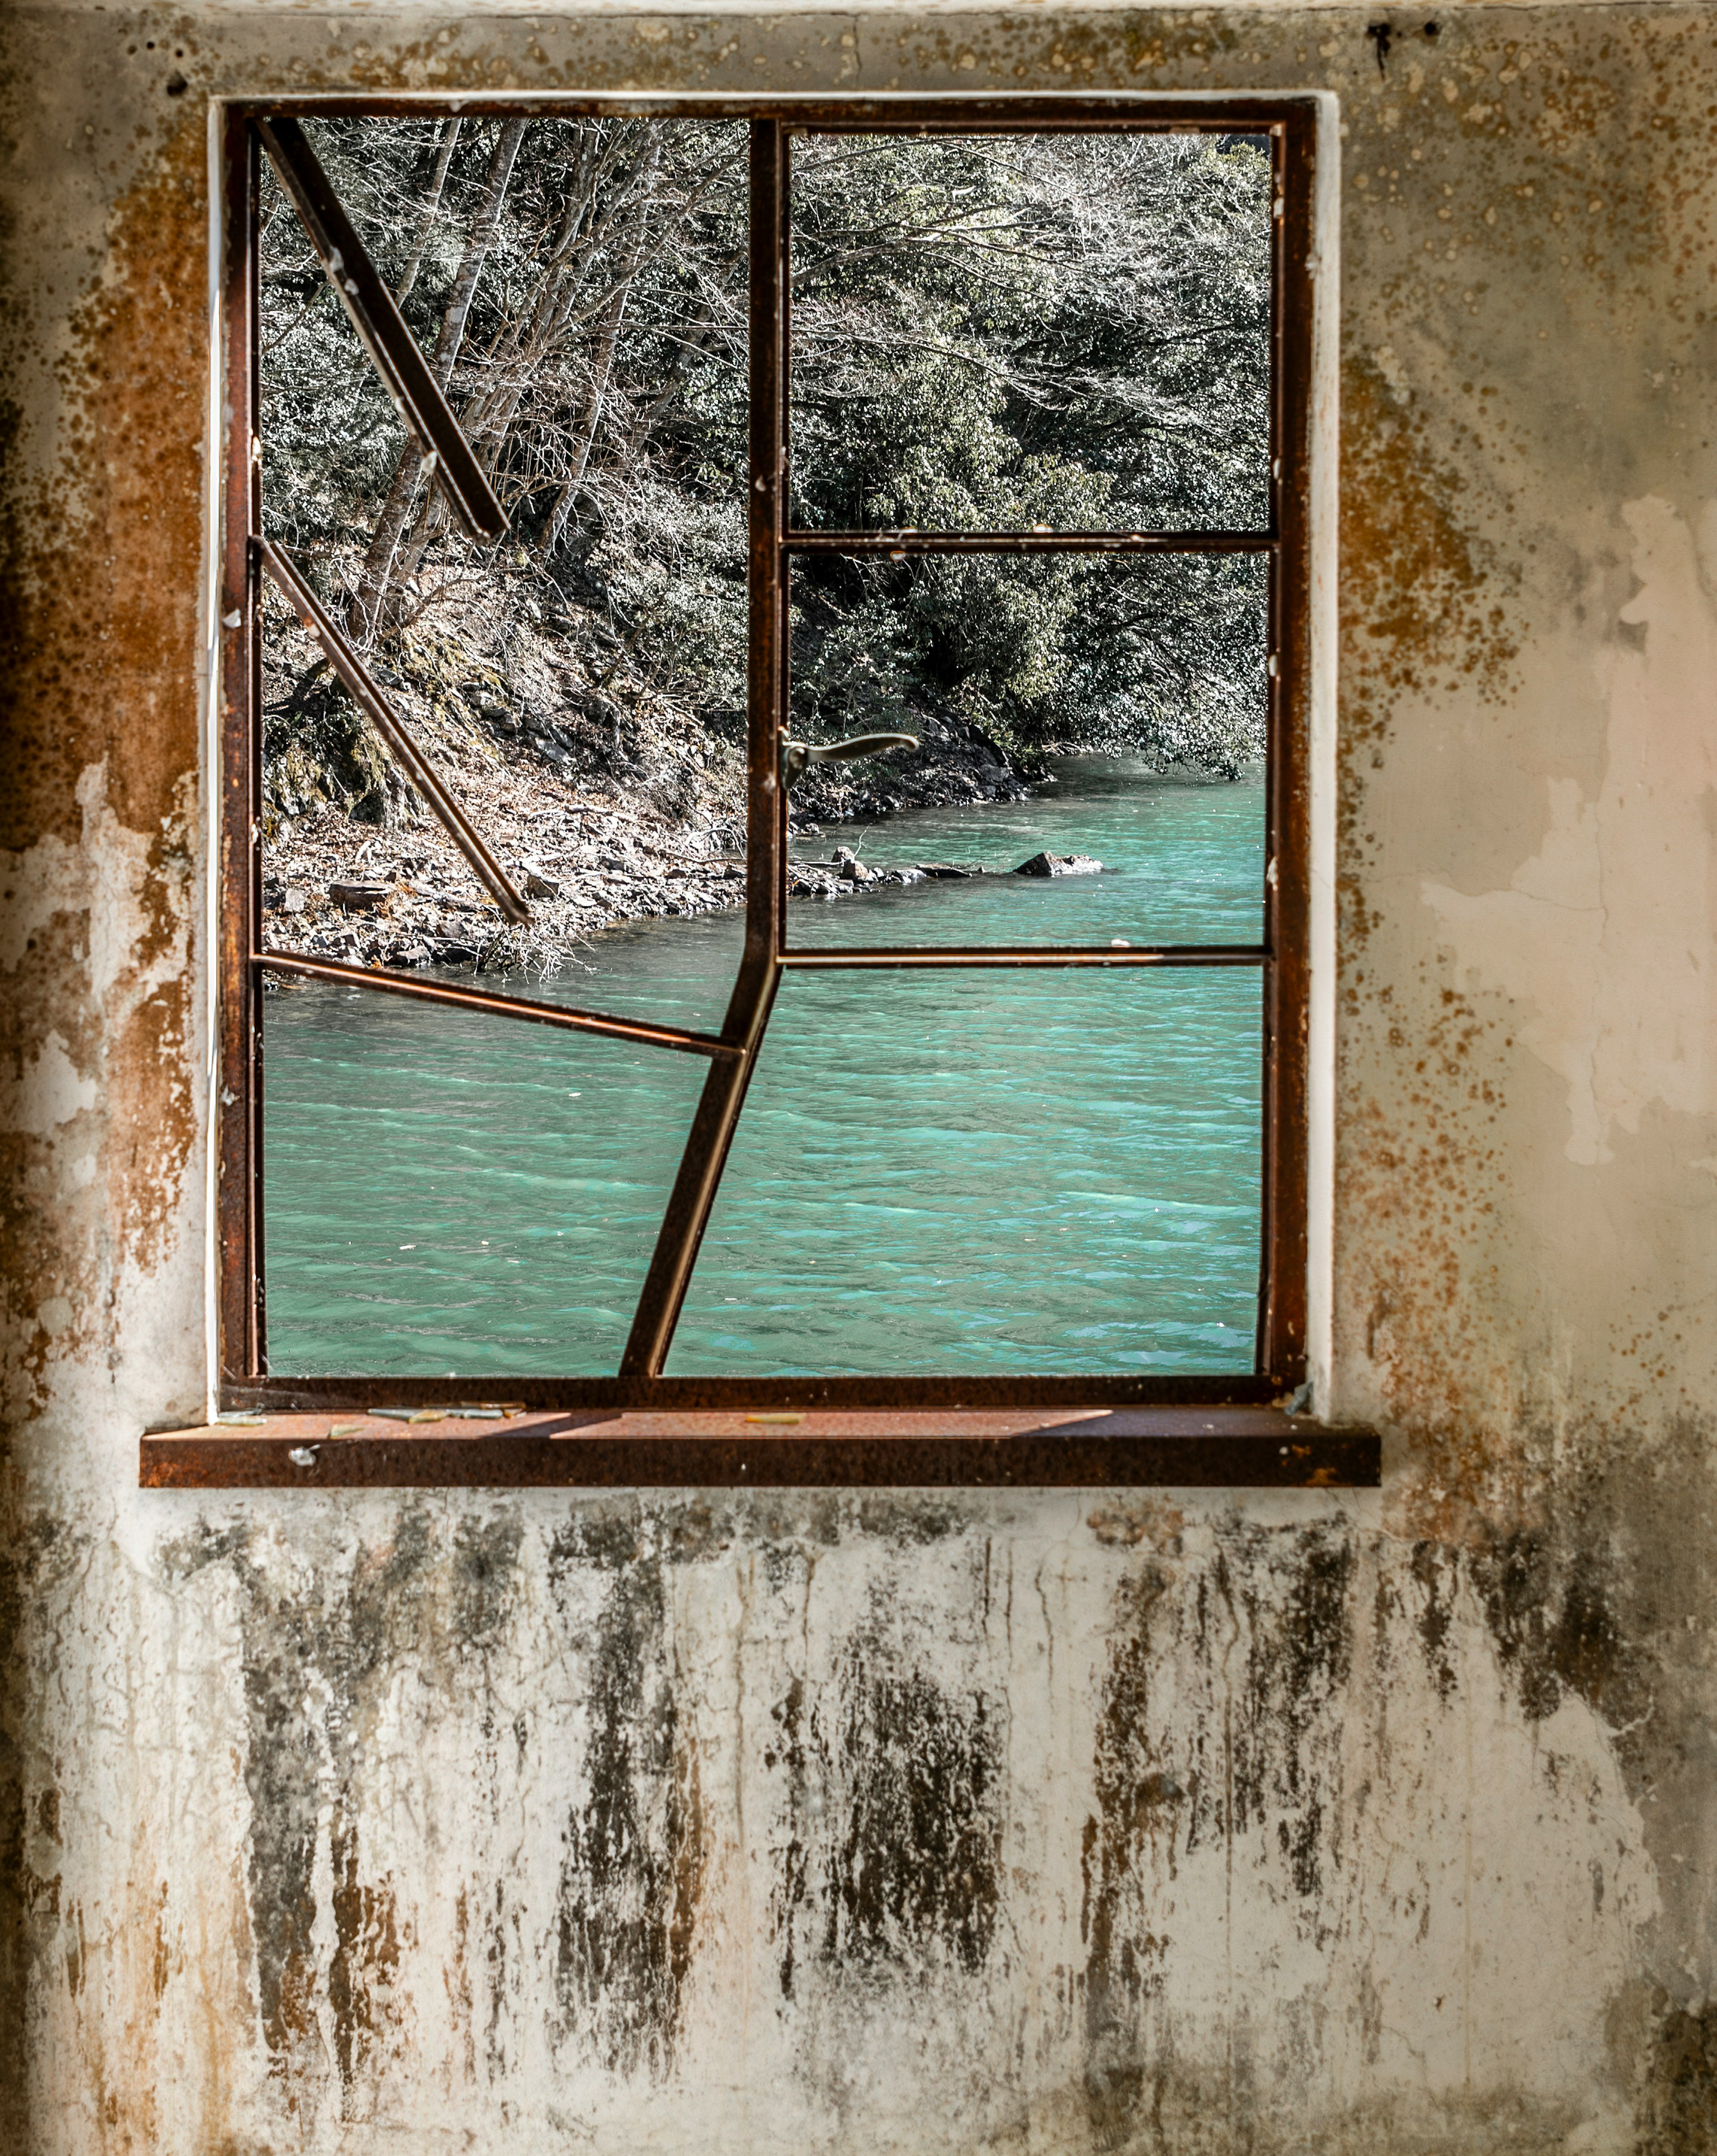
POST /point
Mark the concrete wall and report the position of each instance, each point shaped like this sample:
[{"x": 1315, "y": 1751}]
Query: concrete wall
[{"x": 1189, "y": 1823}]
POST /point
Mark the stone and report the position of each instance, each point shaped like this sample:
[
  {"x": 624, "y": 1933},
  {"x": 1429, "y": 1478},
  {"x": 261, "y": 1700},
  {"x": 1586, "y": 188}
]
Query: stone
[
  {"x": 1058, "y": 865},
  {"x": 359, "y": 897},
  {"x": 946, "y": 871}
]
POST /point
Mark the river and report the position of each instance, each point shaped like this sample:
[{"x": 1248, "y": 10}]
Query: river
[{"x": 981, "y": 1172}]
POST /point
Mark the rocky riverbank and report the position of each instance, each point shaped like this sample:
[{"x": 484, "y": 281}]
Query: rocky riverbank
[{"x": 606, "y": 801}]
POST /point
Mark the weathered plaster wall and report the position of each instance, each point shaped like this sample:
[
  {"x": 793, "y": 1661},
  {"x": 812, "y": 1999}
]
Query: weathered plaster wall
[{"x": 1035, "y": 1822}]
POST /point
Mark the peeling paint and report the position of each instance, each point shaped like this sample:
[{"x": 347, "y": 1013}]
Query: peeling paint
[{"x": 1624, "y": 1005}]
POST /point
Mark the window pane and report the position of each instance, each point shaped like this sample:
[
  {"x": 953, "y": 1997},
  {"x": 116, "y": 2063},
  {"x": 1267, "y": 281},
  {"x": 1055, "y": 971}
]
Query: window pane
[
  {"x": 1072, "y": 710},
  {"x": 582, "y": 286},
  {"x": 1061, "y": 330},
  {"x": 448, "y": 1194},
  {"x": 988, "y": 1174}
]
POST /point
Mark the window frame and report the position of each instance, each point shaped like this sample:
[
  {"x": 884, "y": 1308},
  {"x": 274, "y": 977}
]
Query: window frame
[{"x": 639, "y": 1388}]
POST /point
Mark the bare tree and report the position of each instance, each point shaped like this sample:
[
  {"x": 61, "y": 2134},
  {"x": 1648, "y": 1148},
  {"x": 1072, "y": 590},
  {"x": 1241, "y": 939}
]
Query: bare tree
[{"x": 365, "y": 610}]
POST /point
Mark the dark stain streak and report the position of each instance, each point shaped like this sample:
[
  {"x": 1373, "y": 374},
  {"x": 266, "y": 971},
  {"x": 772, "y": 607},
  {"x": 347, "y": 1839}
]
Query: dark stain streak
[
  {"x": 632, "y": 1874},
  {"x": 918, "y": 1862},
  {"x": 788, "y": 1894},
  {"x": 1678, "y": 2106},
  {"x": 1291, "y": 1600},
  {"x": 485, "y": 1564},
  {"x": 1436, "y": 1577},
  {"x": 1137, "y": 1801},
  {"x": 313, "y": 1660},
  {"x": 892, "y": 1856},
  {"x": 495, "y": 1961},
  {"x": 1548, "y": 1603},
  {"x": 37, "y": 1555}
]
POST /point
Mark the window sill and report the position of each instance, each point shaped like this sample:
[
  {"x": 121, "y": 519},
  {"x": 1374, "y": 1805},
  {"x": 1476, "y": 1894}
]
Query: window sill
[{"x": 1056, "y": 1447}]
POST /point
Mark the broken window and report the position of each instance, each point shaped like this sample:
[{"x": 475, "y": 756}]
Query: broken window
[{"x": 765, "y": 792}]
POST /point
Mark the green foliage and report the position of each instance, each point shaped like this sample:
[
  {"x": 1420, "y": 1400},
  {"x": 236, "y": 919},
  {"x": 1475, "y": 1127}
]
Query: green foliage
[{"x": 1062, "y": 332}]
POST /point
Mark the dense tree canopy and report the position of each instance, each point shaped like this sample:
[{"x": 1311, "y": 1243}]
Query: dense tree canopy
[{"x": 1067, "y": 331}]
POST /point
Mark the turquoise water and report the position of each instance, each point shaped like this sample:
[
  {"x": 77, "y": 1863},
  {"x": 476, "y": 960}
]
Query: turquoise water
[{"x": 985, "y": 1172}]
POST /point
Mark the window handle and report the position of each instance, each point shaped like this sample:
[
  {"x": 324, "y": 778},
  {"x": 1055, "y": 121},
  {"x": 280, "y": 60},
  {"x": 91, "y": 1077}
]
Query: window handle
[{"x": 796, "y": 755}]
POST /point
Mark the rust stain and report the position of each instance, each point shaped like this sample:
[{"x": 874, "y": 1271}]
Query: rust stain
[
  {"x": 98, "y": 596},
  {"x": 363, "y": 1972},
  {"x": 160, "y": 1966}
]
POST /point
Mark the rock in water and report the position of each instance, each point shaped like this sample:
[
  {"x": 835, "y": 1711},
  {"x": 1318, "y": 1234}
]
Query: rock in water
[
  {"x": 946, "y": 871},
  {"x": 1059, "y": 865}
]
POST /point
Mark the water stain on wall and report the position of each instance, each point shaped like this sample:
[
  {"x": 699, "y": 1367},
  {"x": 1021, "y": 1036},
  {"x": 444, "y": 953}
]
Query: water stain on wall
[
  {"x": 915, "y": 1863},
  {"x": 1139, "y": 1800},
  {"x": 636, "y": 1845},
  {"x": 1678, "y": 2108},
  {"x": 316, "y": 1645},
  {"x": 891, "y": 1863}
]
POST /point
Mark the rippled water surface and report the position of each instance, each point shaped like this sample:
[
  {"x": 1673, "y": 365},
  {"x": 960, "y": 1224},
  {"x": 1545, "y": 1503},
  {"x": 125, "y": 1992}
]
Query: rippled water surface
[{"x": 978, "y": 1171}]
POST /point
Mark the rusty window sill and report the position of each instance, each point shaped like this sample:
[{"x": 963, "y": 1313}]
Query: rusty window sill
[{"x": 603, "y": 1448}]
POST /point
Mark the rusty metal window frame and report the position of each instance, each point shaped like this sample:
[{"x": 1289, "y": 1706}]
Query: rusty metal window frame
[{"x": 636, "y": 1426}]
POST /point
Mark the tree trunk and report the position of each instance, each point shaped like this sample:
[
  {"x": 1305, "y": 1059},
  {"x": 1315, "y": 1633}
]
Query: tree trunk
[
  {"x": 443, "y": 158},
  {"x": 365, "y": 610}
]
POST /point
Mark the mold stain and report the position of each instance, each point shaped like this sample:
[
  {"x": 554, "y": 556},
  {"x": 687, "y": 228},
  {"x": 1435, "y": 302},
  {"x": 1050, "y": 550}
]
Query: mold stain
[
  {"x": 1549, "y": 1601},
  {"x": 791, "y": 1884},
  {"x": 1436, "y": 1580},
  {"x": 1127, "y": 1850},
  {"x": 917, "y": 1863},
  {"x": 890, "y": 1864},
  {"x": 632, "y": 1877},
  {"x": 1299, "y": 1654},
  {"x": 1678, "y": 2106},
  {"x": 314, "y": 1658}
]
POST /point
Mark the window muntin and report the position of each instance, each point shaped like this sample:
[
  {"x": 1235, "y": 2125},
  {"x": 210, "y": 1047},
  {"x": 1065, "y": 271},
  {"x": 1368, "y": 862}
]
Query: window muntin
[{"x": 1279, "y": 1335}]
